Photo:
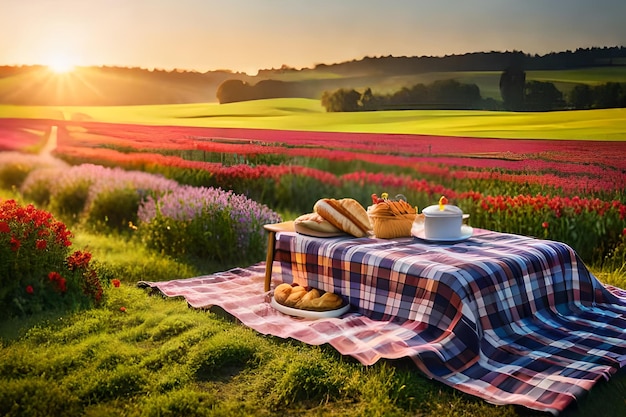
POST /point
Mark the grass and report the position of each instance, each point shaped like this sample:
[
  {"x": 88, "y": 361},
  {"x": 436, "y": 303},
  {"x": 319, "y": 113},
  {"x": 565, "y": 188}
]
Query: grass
[
  {"x": 161, "y": 358},
  {"x": 307, "y": 114}
]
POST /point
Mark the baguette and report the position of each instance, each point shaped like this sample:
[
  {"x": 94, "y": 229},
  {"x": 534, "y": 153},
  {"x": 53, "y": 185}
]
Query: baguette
[{"x": 345, "y": 214}]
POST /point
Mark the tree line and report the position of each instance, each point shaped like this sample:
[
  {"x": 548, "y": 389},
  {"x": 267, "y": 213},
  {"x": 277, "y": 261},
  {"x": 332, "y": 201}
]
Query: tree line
[
  {"x": 473, "y": 61},
  {"x": 517, "y": 95}
]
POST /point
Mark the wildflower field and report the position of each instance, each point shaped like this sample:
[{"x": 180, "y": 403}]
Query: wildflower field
[
  {"x": 160, "y": 201},
  {"x": 566, "y": 190}
]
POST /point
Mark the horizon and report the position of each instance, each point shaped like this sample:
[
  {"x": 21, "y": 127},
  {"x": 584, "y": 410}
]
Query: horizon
[
  {"x": 247, "y": 36},
  {"x": 62, "y": 68}
]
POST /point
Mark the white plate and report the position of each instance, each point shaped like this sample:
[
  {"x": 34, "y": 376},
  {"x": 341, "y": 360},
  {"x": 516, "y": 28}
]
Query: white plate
[
  {"x": 309, "y": 314},
  {"x": 418, "y": 231}
]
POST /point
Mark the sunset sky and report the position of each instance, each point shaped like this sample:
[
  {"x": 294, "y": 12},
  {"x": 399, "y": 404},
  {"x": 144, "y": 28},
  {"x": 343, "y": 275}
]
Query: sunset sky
[{"x": 247, "y": 35}]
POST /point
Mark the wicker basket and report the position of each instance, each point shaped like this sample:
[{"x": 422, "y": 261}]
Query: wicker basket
[{"x": 389, "y": 227}]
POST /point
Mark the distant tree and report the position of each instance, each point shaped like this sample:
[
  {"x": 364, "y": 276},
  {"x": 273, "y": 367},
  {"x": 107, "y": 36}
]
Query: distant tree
[
  {"x": 368, "y": 100},
  {"x": 542, "y": 96},
  {"x": 408, "y": 97},
  {"x": 512, "y": 83},
  {"x": 451, "y": 94},
  {"x": 342, "y": 100},
  {"x": 231, "y": 91},
  {"x": 608, "y": 95},
  {"x": 581, "y": 97}
]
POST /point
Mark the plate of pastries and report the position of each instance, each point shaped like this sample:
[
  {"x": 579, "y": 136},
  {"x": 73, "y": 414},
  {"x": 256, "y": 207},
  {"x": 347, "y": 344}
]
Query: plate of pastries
[{"x": 303, "y": 301}]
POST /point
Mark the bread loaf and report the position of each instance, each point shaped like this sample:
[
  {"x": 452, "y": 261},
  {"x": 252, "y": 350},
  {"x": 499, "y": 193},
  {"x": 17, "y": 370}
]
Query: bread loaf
[
  {"x": 297, "y": 296},
  {"x": 313, "y": 224},
  {"x": 345, "y": 214}
]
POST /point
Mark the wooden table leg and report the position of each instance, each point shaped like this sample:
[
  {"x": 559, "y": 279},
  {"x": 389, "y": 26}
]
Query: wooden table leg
[
  {"x": 269, "y": 261},
  {"x": 271, "y": 247}
]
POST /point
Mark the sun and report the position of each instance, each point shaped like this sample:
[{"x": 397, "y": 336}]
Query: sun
[{"x": 60, "y": 65}]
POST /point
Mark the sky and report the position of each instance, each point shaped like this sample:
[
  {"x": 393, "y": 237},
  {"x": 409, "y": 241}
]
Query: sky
[{"x": 248, "y": 35}]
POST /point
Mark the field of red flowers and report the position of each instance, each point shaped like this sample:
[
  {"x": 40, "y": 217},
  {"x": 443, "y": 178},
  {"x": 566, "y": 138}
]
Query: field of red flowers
[{"x": 568, "y": 190}]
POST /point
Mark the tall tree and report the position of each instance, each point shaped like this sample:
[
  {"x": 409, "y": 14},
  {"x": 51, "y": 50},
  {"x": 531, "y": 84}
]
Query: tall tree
[{"x": 512, "y": 83}]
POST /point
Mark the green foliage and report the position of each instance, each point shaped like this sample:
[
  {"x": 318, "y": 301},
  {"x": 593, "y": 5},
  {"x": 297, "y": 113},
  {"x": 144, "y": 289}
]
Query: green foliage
[
  {"x": 68, "y": 200},
  {"x": 297, "y": 193},
  {"x": 12, "y": 175},
  {"x": 225, "y": 352},
  {"x": 206, "y": 223},
  {"x": 113, "y": 209},
  {"x": 181, "y": 402},
  {"x": 341, "y": 100},
  {"x": 542, "y": 96},
  {"x": 440, "y": 94},
  {"x": 512, "y": 82},
  {"x": 35, "y": 396}
]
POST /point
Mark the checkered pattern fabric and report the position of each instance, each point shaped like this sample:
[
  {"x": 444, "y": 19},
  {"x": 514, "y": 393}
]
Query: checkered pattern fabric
[{"x": 507, "y": 318}]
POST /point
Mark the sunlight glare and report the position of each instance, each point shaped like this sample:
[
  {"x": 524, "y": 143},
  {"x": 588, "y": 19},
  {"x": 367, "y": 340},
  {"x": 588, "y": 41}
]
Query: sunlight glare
[{"x": 60, "y": 65}]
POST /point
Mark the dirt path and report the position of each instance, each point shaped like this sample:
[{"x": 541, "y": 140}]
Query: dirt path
[{"x": 51, "y": 143}]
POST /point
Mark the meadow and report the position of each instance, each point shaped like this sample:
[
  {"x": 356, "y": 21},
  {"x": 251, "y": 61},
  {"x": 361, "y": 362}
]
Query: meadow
[{"x": 117, "y": 171}]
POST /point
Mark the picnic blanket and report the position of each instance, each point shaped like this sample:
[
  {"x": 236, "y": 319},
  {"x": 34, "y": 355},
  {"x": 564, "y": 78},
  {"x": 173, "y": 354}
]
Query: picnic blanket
[{"x": 510, "y": 319}]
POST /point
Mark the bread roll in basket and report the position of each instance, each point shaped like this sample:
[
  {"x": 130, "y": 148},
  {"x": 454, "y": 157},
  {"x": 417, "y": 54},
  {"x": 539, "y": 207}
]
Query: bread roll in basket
[{"x": 391, "y": 219}]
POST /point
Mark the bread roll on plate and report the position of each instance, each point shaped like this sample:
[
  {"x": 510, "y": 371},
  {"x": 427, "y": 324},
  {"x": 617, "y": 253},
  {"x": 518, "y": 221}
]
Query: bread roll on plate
[
  {"x": 300, "y": 297},
  {"x": 312, "y": 224},
  {"x": 345, "y": 214}
]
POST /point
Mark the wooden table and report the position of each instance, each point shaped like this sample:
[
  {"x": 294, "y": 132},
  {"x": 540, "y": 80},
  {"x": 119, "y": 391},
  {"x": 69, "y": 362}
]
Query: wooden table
[{"x": 271, "y": 247}]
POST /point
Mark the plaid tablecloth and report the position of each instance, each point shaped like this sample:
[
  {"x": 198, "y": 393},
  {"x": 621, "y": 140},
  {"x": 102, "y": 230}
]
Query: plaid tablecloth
[{"x": 508, "y": 318}]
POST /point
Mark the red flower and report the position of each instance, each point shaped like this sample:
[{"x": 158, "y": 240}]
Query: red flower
[
  {"x": 54, "y": 276},
  {"x": 123, "y": 309},
  {"x": 15, "y": 244},
  {"x": 545, "y": 225},
  {"x": 30, "y": 289},
  {"x": 41, "y": 244},
  {"x": 78, "y": 259},
  {"x": 116, "y": 282},
  {"x": 4, "y": 227},
  {"x": 61, "y": 282}
]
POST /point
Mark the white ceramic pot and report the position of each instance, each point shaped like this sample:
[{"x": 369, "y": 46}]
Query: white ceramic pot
[{"x": 442, "y": 224}]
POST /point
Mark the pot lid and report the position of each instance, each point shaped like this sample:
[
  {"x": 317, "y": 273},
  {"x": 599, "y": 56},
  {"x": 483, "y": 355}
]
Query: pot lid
[{"x": 448, "y": 211}]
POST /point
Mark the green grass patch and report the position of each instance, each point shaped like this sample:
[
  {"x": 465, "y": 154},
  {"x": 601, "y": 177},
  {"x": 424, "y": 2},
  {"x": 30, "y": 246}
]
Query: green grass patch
[{"x": 161, "y": 358}]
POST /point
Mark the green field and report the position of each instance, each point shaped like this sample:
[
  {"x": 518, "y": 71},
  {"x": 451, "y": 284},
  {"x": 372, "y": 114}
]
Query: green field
[{"x": 308, "y": 114}]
